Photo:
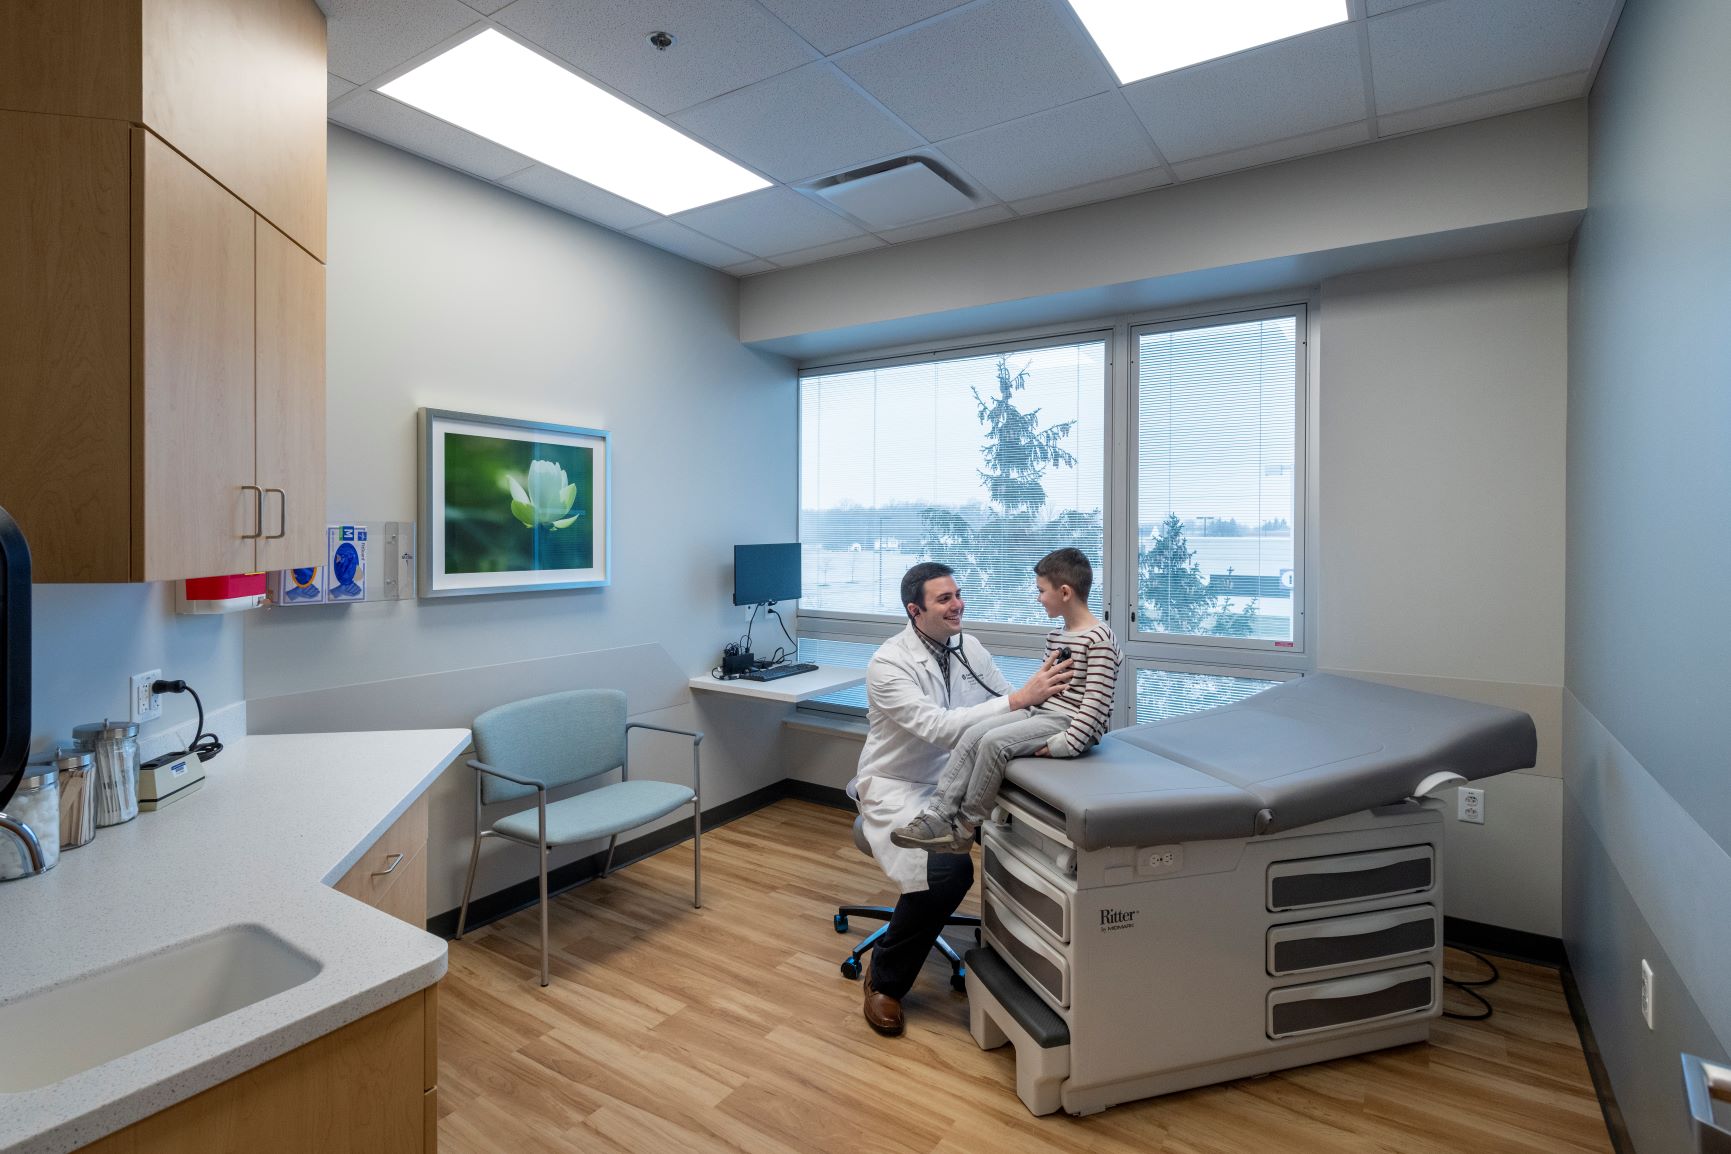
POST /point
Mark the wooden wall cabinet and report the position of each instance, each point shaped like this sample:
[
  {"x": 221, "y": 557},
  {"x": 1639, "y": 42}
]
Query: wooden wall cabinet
[
  {"x": 163, "y": 390},
  {"x": 162, "y": 232}
]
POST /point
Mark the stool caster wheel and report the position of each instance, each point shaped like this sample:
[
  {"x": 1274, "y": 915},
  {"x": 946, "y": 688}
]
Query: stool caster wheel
[
  {"x": 850, "y": 969},
  {"x": 959, "y": 983},
  {"x": 841, "y": 923}
]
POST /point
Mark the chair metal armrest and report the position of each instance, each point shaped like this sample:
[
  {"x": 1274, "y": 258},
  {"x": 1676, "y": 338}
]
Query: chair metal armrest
[
  {"x": 696, "y": 741},
  {"x": 483, "y": 767},
  {"x": 695, "y": 736}
]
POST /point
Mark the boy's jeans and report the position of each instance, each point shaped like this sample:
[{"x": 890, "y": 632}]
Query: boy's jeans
[{"x": 969, "y": 783}]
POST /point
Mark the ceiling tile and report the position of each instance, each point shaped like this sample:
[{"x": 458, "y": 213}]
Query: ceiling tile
[
  {"x": 414, "y": 131},
  {"x": 1092, "y": 193},
  {"x": 486, "y": 7},
  {"x": 580, "y": 198},
  {"x": 1296, "y": 86},
  {"x": 980, "y": 66},
  {"x": 1454, "y": 48},
  {"x": 720, "y": 44},
  {"x": 749, "y": 268},
  {"x": 336, "y": 86},
  {"x": 367, "y": 38},
  {"x": 808, "y": 122},
  {"x": 681, "y": 241},
  {"x": 961, "y": 222},
  {"x": 773, "y": 220},
  {"x": 1080, "y": 143},
  {"x": 1490, "y": 104},
  {"x": 1378, "y": 7},
  {"x": 825, "y": 251},
  {"x": 832, "y": 26},
  {"x": 1314, "y": 142}
]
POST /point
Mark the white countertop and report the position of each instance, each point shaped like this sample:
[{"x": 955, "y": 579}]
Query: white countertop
[
  {"x": 789, "y": 690},
  {"x": 276, "y": 820}
]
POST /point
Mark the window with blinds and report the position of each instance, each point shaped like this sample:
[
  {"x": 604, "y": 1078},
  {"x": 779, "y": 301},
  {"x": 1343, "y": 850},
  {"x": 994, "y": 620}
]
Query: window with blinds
[
  {"x": 857, "y": 655},
  {"x": 1168, "y": 693},
  {"x": 985, "y": 462},
  {"x": 1217, "y": 481}
]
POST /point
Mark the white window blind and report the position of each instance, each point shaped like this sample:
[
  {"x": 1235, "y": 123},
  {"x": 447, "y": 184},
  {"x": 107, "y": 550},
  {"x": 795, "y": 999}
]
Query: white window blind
[
  {"x": 984, "y": 462},
  {"x": 1166, "y": 693},
  {"x": 1217, "y": 481}
]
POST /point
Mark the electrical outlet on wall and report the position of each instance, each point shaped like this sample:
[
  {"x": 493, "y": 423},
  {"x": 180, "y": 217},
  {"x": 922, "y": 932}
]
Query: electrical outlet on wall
[
  {"x": 143, "y": 704},
  {"x": 1647, "y": 993},
  {"x": 1472, "y": 806}
]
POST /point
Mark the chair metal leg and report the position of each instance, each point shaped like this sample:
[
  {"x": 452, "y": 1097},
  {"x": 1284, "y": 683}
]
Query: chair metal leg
[
  {"x": 468, "y": 887},
  {"x": 696, "y": 856},
  {"x": 612, "y": 844},
  {"x": 544, "y": 979}
]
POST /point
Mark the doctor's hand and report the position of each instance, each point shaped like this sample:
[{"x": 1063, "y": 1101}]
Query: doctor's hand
[{"x": 1048, "y": 681}]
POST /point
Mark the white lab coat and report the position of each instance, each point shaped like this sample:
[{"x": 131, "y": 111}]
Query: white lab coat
[{"x": 916, "y": 719}]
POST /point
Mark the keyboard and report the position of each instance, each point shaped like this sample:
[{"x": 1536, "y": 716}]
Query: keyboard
[{"x": 777, "y": 672}]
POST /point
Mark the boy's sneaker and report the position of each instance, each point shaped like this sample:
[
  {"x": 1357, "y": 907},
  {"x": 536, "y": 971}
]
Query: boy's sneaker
[{"x": 932, "y": 834}]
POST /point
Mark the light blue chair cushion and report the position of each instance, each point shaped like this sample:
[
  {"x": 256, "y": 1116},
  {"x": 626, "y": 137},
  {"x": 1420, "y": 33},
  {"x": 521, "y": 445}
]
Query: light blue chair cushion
[
  {"x": 559, "y": 740},
  {"x": 599, "y": 813}
]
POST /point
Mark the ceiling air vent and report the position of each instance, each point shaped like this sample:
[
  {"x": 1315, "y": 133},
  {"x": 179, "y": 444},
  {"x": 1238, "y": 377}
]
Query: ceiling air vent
[{"x": 896, "y": 193}]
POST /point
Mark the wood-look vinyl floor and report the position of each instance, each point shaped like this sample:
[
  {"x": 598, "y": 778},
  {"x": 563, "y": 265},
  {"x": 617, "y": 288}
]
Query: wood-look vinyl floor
[{"x": 729, "y": 1028}]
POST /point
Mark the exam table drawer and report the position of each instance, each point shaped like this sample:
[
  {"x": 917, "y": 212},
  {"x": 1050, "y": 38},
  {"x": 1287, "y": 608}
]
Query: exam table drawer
[
  {"x": 1313, "y": 1009},
  {"x": 1350, "y": 877},
  {"x": 1040, "y": 963},
  {"x": 1383, "y": 936},
  {"x": 1031, "y": 892}
]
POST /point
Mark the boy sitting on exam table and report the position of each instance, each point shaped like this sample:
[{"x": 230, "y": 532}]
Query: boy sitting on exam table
[{"x": 1063, "y": 726}]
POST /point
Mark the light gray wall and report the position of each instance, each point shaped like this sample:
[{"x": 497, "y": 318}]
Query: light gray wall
[
  {"x": 88, "y": 640},
  {"x": 449, "y": 293},
  {"x": 1441, "y": 474},
  {"x": 1646, "y": 731},
  {"x": 1489, "y": 175}
]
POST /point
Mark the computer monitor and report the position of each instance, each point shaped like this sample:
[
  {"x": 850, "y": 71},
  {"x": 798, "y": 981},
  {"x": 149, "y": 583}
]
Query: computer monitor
[{"x": 765, "y": 573}]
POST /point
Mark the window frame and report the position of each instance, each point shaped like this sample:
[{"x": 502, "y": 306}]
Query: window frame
[{"x": 1118, "y": 596}]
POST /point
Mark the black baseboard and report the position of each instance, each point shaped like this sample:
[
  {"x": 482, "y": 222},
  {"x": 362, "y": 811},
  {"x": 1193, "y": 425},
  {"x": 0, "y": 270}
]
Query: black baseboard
[
  {"x": 524, "y": 894},
  {"x": 1615, "y": 1126},
  {"x": 1517, "y": 944}
]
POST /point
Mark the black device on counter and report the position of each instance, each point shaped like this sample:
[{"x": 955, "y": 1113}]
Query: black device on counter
[
  {"x": 736, "y": 661},
  {"x": 777, "y": 672},
  {"x": 14, "y": 656}
]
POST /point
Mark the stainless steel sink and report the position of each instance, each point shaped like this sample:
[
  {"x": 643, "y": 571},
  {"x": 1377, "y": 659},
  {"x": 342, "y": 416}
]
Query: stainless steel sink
[{"x": 98, "y": 1017}]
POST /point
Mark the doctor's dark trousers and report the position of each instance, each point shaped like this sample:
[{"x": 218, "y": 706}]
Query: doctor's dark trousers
[{"x": 918, "y": 920}]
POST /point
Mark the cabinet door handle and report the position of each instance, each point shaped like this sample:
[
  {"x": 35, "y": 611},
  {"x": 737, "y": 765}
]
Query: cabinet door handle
[
  {"x": 282, "y": 517},
  {"x": 396, "y": 860},
  {"x": 257, "y": 514}
]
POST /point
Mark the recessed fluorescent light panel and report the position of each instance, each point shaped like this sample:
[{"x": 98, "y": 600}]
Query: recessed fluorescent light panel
[
  {"x": 496, "y": 88},
  {"x": 1143, "y": 38}
]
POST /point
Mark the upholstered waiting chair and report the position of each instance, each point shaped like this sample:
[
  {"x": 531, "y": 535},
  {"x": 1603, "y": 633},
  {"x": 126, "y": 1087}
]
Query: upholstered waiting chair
[{"x": 529, "y": 748}]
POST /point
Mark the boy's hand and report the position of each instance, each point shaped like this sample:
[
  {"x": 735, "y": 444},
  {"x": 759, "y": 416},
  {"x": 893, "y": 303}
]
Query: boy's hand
[{"x": 1043, "y": 751}]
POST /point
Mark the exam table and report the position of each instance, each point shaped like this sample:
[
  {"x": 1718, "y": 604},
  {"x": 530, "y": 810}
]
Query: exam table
[{"x": 1228, "y": 893}]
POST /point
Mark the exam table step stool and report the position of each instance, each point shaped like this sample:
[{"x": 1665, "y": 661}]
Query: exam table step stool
[{"x": 1001, "y": 1008}]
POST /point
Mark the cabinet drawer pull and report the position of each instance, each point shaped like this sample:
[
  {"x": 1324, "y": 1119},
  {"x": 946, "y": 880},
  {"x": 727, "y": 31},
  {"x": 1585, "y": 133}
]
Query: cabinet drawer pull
[
  {"x": 257, "y": 513},
  {"x": 282, "y": 517},
  {"x": 396, "y": 860}
]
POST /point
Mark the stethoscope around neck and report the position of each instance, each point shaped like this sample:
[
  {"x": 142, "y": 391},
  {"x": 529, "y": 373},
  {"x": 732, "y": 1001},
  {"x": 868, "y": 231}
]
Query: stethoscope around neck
[{"x": 951, "y": 650}]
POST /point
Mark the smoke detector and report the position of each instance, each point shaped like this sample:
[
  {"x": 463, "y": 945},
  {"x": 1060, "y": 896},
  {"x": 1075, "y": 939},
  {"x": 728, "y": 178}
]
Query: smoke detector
[{"x": 904, "y": 191}]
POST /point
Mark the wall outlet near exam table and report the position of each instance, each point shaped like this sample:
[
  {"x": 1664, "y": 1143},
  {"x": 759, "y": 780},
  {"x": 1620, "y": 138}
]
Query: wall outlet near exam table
[
  {"x": 142, "y": 703},
  {"x": 1472, "y": 806}
]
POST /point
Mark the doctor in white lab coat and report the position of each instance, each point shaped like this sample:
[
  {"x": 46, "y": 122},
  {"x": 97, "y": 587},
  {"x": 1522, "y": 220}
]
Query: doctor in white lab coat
[{"x": 925, "y": 686}]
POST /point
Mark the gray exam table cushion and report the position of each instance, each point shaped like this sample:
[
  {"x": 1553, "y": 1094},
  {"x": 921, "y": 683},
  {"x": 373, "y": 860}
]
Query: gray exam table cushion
[{"x": 1304, "y": 751}]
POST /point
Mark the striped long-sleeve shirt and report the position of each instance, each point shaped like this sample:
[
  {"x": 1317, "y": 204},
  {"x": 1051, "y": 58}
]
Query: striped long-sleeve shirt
[{"x": 1087, "y": 700}]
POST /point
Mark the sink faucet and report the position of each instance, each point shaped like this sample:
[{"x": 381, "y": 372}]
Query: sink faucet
[{"x": 27, "y": 838}]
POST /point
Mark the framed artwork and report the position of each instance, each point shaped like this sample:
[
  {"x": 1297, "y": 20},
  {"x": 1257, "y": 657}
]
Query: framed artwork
[{"x": 510, "y": 506}]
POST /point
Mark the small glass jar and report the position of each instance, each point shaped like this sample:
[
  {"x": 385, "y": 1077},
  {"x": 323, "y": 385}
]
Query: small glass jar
[
  {"x": 37, "y": 805},
  {"x": 115, "y": 744},
  {"x": 77, "y": 796}
]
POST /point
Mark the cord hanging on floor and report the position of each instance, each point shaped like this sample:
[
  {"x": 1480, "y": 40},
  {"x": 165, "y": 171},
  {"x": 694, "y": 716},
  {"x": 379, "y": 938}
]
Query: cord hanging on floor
[{"x": 1472, "y": 987}]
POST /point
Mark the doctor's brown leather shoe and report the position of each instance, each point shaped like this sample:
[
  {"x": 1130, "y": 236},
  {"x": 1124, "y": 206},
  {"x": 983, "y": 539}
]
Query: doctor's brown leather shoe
[{"x": 882, "y": 1012}]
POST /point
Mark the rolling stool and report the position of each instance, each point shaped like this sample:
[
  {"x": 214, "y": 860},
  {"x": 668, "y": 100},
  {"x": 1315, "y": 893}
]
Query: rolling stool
[{"x": 850, "y": 967}]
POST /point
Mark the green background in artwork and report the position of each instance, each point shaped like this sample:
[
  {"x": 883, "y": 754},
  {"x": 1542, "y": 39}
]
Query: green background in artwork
[{"x": 481, "y": 535}]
